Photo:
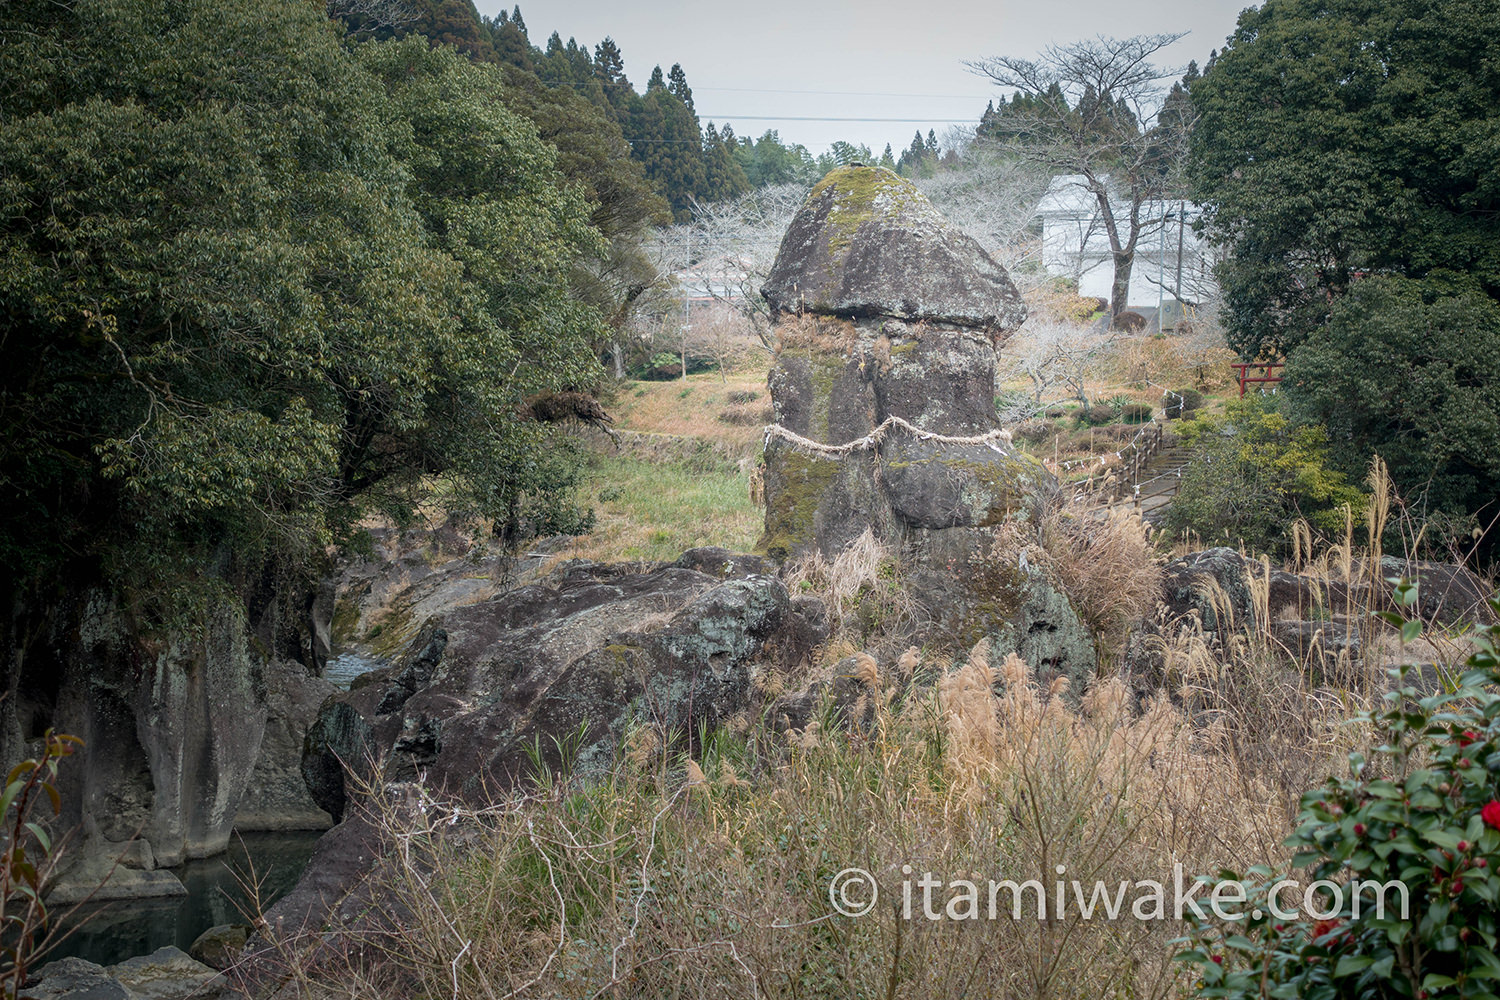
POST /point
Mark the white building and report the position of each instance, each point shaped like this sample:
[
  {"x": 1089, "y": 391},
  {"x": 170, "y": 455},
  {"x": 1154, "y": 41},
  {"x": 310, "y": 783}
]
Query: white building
[{"x": 1173, "y": 270}]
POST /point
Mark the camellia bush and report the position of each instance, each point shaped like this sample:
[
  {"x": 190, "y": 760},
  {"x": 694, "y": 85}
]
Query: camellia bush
[{"x": 1422, "y": 810}]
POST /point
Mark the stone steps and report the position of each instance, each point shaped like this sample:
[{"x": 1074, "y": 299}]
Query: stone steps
[{"x": 1158, "y": 482}]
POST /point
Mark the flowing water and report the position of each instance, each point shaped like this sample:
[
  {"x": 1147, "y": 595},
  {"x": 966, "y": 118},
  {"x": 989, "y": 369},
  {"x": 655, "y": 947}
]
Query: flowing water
[{"x": 347, "y": 665}]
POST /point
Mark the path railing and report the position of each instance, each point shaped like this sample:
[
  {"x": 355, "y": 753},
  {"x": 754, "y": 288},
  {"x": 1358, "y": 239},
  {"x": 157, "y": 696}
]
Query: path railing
[{"x": 1122, "y": 478}]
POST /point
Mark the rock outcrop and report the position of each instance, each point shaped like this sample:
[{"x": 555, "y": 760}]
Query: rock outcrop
[
  {"x": 558, "y": 671},
  {"x": 275, "y": 796},
  {"x": 171, "y": 722},
  {"x": 174, "y": 704},
  {"x": 165, "y": 974},
  {"x": 883, "y": 393}
]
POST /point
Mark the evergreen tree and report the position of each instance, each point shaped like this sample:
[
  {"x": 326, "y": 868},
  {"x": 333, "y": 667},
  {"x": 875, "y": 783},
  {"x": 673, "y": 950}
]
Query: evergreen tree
[
  {"x": 609, "y": 69},
  {"x": 657, "y": 81},
  {"x": 917, "y": 159},
  {"x": 886, "y": 159},
  {"x": 767, "y": 161},
  {"x": 723, "y": 175},
  {"x": 677, "y": 85},
  {"x": 282, "y": 305},
  {"x": 609, "y": 64},
  {"x": 509, "y": 43},
  {"x": 1337, "y": 141},
  {"x": 932, "y": 143},
  {"x": 669, "y": 144}
]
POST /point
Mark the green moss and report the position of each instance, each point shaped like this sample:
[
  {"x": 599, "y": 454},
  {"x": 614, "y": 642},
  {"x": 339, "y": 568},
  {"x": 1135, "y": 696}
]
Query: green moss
[
  {"x": 824, "y": 371},
  {"x": 343, "y": 626},
  {"x": 995, "y": 592},
  {"x": 396, "y": 629},
  {"x": 859, "y": 193},
  {"x": 1000, "y": 484},
  {"x": 791, "y": 511}
]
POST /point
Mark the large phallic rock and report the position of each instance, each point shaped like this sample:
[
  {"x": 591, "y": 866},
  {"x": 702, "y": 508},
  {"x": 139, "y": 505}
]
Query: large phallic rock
[
  {"x": 886, "y": 312},
  {"x": 560, "y": 669},
  {"x": 867, "y": 244},
  {"x": 883, "y": 393}
]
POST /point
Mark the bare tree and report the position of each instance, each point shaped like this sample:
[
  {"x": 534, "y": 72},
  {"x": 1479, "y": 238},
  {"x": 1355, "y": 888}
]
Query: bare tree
[
  {"x": 1092, "y": 108},
  {"x": 726, "y": 252},
  {"x": 993, "y": 198},
  {"x": 1051, "y": 354},
  {"x": 371, "y": 15}
]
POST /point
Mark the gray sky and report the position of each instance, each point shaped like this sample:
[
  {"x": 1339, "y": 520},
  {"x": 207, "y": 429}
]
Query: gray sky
[{"x": 762, "y": 65}]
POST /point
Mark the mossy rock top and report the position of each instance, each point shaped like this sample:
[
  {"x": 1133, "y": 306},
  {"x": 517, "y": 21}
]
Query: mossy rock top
[{"x": 867, "y": 243}]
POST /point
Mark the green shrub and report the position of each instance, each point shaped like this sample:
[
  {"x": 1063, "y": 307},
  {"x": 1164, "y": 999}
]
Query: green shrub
[
  {"x": 1253, "y": 474},
  {"x": 1424, "y": 810},
  {"x": 1405, "y": 369},
  {"x": 1135, "y": 413},
  {"x": 1099, "y": 413},
  {"x": 1180, "y": 402}
]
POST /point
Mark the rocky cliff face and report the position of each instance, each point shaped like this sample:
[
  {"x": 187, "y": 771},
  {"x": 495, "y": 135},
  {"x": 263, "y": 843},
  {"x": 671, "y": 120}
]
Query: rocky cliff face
[
  {"x": 174, "y": 708},
  {"x": 883, "y": 396}
]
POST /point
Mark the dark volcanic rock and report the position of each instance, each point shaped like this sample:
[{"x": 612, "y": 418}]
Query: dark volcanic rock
[
  {"x": 1215, "y": 583},
  {"x": 561, "y": 666},
  {"x": 339, "y": 738},
  {"x": 165, "y": 974},
  {"x": 74, "y": 979},
  {"x": 220, "y": 946},
  {"x": 867, "y": 243},
  {"x": 1447, "y": 594},
  {"x": 276, "y": 797}
]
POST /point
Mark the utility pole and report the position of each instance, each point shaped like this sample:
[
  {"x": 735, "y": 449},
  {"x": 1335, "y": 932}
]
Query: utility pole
[
  {"x": 1181, "y": 220},
  {"x": 1161, "y": 267},
  {"x": 687, "y": 265}
]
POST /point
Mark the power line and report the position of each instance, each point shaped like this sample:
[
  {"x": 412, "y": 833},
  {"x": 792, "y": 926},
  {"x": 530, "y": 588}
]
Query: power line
[
  {"x": 809, "y": 118},
  {"x": 841, "y": 93},
  {"x": 770, "y": 90}
]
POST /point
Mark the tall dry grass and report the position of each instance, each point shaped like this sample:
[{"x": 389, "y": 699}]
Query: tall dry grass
[
  {"x": 1099, "y": 555},
  {"x": 709, "y": 875},
  {"x": 862, "y": 589}
]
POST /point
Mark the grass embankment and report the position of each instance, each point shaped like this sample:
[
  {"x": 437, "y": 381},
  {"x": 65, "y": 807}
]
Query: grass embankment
[
  {"x": 731, "y": 411},
  {"x": 687, "y": 481},
  {"x": 653, "y": 511}
]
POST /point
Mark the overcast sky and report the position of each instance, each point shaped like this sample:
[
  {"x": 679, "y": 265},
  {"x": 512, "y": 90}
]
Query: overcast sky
[{"x": 766, "y": 64}]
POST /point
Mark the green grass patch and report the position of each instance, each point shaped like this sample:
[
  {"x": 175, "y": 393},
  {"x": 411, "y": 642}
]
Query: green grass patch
[{"x": 653, "y": 511}]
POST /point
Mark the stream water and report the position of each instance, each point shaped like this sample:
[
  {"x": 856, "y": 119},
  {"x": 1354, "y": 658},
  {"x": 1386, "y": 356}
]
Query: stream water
[
  {"x": 107, "y": 933},
  {"x": 343, "y": 668}
]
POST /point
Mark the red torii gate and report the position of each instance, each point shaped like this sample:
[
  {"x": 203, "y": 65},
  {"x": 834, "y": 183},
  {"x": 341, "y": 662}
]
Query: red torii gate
[{"x": 1267, "y": 369}]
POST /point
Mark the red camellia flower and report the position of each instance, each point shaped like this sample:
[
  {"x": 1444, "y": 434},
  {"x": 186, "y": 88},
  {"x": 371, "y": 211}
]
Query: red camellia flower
[
  {"x": 1466, "y": 737},
  {"x": 1324, "y": 927},
  {"x": 1491, "y": 813}
]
